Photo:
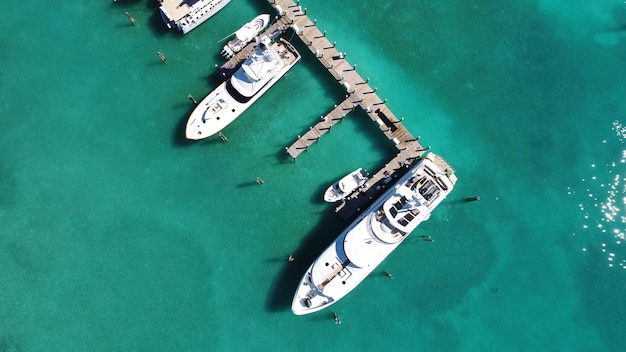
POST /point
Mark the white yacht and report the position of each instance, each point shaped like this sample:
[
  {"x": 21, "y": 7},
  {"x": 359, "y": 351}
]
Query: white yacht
[
  {"x": 186, "y": 15},
  {"x": 344, "y": 187},
  {"x": 375, "y": 233},
  {"x": 269, "y": 62},
  {"x": 245, "y": 35}
]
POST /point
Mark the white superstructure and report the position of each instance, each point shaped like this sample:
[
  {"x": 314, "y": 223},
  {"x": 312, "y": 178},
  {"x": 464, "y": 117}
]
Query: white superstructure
[
  {"x": 186, "y": 15},
  {"x": 245, "y": 35},
  {"x": 375, "y": 233},
  {"x": 269, "y": 62}
]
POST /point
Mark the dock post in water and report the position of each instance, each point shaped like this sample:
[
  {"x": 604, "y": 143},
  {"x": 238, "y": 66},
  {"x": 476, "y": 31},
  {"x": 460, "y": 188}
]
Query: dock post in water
[
  {"x": 131, "y": 18},
  {"x": 162, "y": 57}
]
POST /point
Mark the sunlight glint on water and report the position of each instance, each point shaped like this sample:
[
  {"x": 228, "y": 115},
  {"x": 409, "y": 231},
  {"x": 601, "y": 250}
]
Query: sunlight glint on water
[{"x": 603, "y": 208}]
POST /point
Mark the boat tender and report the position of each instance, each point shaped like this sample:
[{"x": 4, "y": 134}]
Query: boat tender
[
  {"x": 269, "y": 62},
  {"x": 245, "y": 35},
  {"x": 375, "y": 233},
  {"x": 346, "y": 185}
]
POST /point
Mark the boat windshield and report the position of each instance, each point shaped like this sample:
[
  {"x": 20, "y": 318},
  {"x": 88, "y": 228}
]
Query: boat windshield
[{"x": 235, "y": 94}]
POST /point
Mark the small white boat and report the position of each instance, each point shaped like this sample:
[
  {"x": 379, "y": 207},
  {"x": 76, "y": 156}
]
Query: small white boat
[
  {"x": 245, "y": 35},
  {"x": 344, "y": 187},
  {"x": 185, "y": 15}
]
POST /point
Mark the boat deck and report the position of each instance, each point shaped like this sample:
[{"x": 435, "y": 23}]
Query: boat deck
[
  {"x": 176, "y": 8},
  {"x": 287, "y": 53}
]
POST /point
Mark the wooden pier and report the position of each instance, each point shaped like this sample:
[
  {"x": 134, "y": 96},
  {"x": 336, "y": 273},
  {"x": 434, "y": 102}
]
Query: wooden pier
[
  {"x": 359, "y": 94},
  {"x": 324, "y": 125}
]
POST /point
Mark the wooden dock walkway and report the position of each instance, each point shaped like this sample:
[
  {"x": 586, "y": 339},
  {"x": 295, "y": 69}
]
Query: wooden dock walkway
[
  {"x": 359, "y": 93},
  {"x": 322, "y": 127}
]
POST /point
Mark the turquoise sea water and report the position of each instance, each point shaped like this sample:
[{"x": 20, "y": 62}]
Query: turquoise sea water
[{"x": 118, "y": 235}]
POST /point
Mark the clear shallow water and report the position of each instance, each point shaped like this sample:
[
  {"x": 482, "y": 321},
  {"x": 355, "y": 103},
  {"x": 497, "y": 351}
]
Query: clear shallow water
[{"x": 119, "y": 235}]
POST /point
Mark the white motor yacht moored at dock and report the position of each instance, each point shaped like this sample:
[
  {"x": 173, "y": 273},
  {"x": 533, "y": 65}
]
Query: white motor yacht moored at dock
[
  {"x": 186, "y": 15},
  {"x": 269, "y": 62},
  {"x": 375, "y": 233}
]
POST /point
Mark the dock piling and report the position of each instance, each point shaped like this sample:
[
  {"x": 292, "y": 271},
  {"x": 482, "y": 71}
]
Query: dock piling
[
  {"x": 359, "y": 94},
  {"x": 162, "y": 57},
  {"x": 130, "y": 18}
]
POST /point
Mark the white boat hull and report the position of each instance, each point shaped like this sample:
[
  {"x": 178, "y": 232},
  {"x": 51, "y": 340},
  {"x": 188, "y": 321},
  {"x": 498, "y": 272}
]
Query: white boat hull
[
  {"x": 376, "y": 232},
  {"x": 218, "y": 109}
]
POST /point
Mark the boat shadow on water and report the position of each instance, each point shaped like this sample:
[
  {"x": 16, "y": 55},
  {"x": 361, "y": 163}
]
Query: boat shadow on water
[
  {"x": 318, "y": 194},
  {"x": 155, "y": 22},
  {"x": 286, "y": 282}
]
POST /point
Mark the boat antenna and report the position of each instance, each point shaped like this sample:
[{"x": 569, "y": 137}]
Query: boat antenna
[{"x": 226, "y": 37}]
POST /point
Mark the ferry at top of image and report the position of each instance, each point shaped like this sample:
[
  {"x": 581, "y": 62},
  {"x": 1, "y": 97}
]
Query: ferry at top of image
[
  {"x": 269, "y": 62},
  {"x": 186, "y": 15},
  {"x": 375, "y": 233}
]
